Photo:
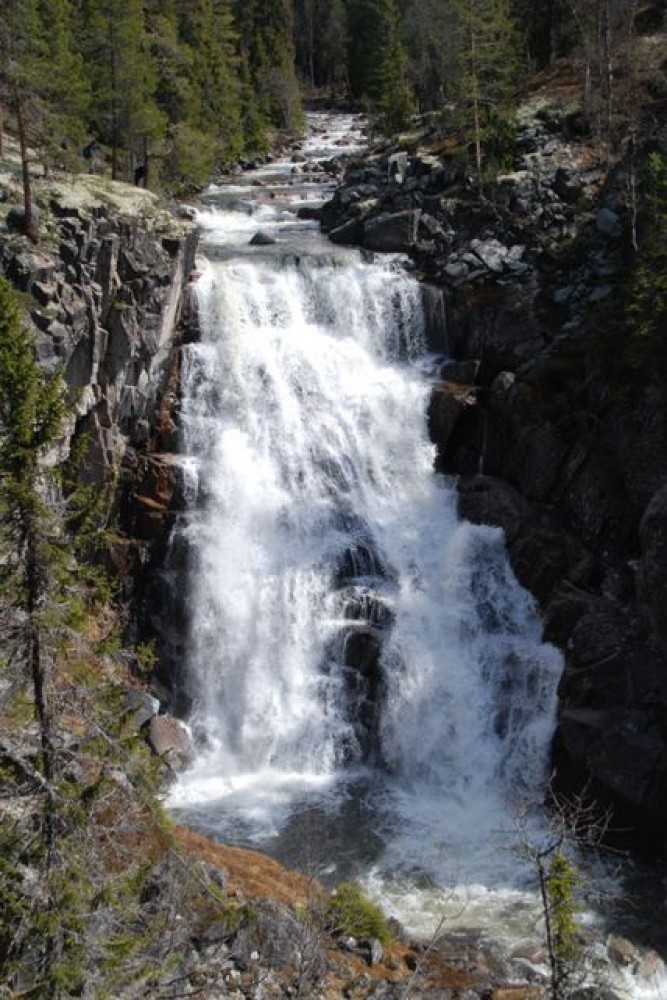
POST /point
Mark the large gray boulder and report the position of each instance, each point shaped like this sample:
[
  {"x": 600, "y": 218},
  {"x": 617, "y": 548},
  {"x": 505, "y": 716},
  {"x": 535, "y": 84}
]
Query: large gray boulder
[{"x": 395, "y": 233}]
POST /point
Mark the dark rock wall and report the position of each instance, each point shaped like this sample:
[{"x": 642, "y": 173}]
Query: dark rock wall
[{"x": 572, "y": 465}]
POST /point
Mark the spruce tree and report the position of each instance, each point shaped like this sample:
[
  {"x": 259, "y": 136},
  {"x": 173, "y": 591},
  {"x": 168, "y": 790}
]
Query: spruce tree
[
  {"x": 429, "y": 36},
  {"x": 124, "y": 83},
  {"x": 207, "y": 29},
  {"x": 488, "y": 60},
  {"x": 378, "y": 61},
  {"x": 369, "y": 31},
  {"x": 321, "y": 42},
  {"x": 267, "y": 38},
  {"x": 31, "y": 412},
  {"x": 395, "y": 102},
  {"x": 61, "y": 86}
]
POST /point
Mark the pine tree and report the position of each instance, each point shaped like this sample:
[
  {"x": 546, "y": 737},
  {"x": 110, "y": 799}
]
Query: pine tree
[
  {"x": 395, "y": 102},
  {"x": 61, "y": 86},
  {"x": 19, "y": 26},
  {"x": 267, "y": 37},
  {"x": 124, "y": 82},
  {"x": 488, "y": 59},
  {"x": 207, "y": 29}
]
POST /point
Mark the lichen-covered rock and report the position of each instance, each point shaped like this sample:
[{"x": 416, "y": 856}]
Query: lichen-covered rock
[{"x": 170, "y": 739}]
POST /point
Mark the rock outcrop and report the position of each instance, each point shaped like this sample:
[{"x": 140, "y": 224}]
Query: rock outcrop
[
  {"x": 547, "y": 444},
  {"x": 109, "y": 296}
]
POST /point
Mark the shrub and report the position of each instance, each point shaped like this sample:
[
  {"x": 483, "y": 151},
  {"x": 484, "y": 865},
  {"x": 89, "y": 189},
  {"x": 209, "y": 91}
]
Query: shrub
[{"x": 350, "y": 912}]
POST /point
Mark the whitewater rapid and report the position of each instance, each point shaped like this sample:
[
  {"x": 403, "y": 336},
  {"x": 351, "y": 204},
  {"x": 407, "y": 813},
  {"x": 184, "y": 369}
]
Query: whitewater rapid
[{"x": 317, "y": 519}]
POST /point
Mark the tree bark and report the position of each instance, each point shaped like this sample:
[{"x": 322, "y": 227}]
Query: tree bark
[
  {"x": 29, "y": 226},
  {"x": 475, "y": 106}
]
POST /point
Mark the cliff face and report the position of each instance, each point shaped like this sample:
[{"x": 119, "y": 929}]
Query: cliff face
[
  {"x": 107, "y": 292},
  {"x": 569, "y": 459}
]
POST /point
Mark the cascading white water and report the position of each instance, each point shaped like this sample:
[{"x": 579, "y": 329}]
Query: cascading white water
[
  {"x": 307, "y": 421},
  {"x": 319, "y": 535}
]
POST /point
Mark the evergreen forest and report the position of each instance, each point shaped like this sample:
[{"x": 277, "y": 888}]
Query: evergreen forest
[{"x": 162, "y": 94}]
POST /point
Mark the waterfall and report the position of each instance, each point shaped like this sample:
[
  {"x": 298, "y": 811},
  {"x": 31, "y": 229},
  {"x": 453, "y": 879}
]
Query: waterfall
[{"x": 362, "y": 664}]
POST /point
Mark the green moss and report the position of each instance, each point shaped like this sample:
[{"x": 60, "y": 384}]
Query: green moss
[{"x": 351, "y": 912}]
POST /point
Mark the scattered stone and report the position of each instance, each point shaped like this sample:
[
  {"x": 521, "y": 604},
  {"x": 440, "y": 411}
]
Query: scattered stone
[{"x": 262, "y": 239}]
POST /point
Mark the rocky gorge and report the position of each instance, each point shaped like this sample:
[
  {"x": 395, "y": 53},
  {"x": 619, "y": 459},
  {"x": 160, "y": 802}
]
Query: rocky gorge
[{"x": 542, "y": 442}]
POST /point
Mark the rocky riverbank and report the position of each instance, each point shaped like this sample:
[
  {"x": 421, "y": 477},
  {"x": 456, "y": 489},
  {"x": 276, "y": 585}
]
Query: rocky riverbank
[{"x": 568, "y": 458}]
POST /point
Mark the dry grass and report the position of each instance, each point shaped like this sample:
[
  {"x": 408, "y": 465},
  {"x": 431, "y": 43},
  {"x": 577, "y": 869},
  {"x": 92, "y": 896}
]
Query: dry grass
[{"x": 251, "y": 875}]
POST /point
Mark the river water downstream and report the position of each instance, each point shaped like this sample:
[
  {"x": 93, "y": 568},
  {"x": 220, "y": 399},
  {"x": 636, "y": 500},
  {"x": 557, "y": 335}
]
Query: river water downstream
[{"x": 370, "y": 688}]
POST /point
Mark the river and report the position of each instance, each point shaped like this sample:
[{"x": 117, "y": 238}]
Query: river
[{"x": 372, "y": 697}]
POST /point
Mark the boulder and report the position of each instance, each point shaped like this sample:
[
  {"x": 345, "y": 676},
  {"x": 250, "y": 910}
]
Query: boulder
[
  {"x": 486, "y": 500},
  {"x": 375, "y": 951},
  {"x": 310, "y": 212},
  {"x": 497, "y": 257},
  {"x": 608, "y": 223},
  {"x": 395, "y": 233},
  {"x": 262, "y": 239},
  {"x": 621, "y": 951},
  {"x": 350, "y": 233},
  {"x": 142, "y": 705},
  {"x": 542, "y": 553},
  {"x": 362, "y": 604},
  {"x": 566, "y": 187},
  {"x": 169, "y": 738},
  {"x": 457, "y": 270},
  {"x": 650, "y": 965},
  {"x": 30, "y": 267},
  {"x": 15, "y": 218}
]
